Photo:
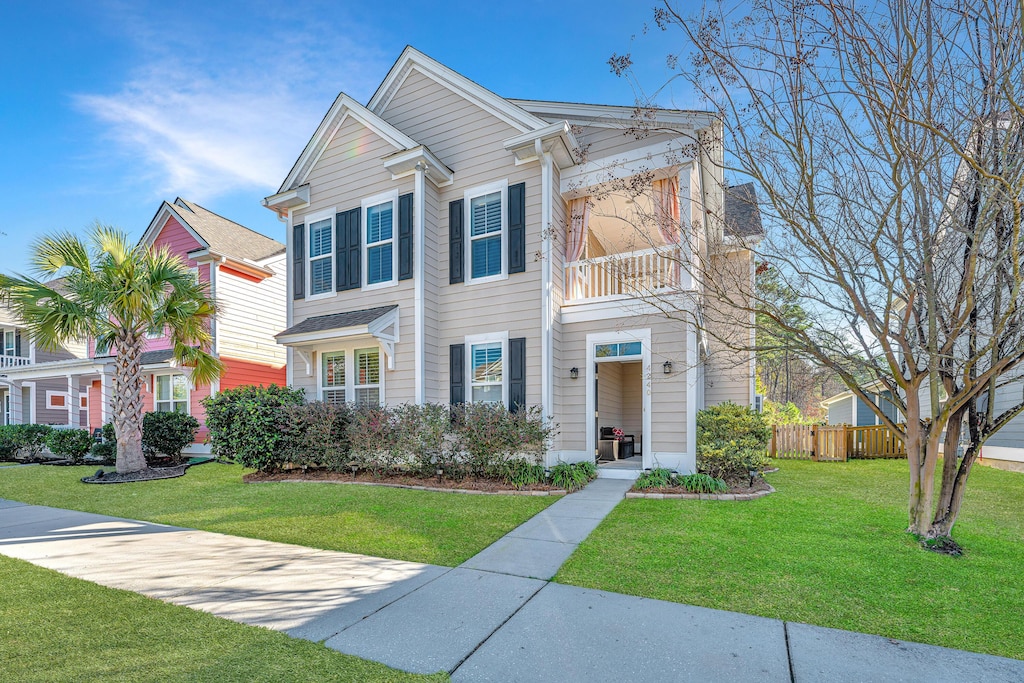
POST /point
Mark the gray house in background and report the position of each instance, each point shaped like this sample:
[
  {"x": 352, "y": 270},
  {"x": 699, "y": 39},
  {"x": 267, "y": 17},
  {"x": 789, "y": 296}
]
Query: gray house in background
[{"x": 848, "y": 409}]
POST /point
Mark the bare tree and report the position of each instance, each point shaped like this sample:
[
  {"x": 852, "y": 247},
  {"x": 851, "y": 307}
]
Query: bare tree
[{"x": 886, "y": 143}]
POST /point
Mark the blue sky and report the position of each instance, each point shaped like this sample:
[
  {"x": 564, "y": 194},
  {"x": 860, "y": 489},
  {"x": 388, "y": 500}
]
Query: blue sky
[{"x": 109, "y": 108}]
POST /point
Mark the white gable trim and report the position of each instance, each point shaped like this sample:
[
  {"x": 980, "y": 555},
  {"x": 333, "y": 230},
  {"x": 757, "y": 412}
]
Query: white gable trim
[
  {"x": 166, "y": 211},
  {"x": 614, "y": 116},
  {"x": 343, "y": 107},
  {"x": 412, "y": 59}
]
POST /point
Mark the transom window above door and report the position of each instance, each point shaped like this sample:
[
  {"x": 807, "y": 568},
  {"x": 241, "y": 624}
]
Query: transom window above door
[
  {"x": 618, "y": 350},
  {"x": 321, "y": 256}
]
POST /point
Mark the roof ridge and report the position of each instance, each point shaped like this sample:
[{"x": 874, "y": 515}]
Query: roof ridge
[{"x": 214, "y": 213}]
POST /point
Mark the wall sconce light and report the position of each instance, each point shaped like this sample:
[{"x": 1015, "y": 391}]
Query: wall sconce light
[
  {"x": 574, "y": 373},
  {"x": 667, "y": 367}
]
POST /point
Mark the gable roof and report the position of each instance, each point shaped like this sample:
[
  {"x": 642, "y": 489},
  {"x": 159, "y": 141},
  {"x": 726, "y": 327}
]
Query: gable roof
[
  {"x": 411, "y": 59},
  {"x": 343, "y": 107},
  {"x": 214, "y": 232},
  {"x": 226, "y": 237},
  {"x": 612, "y": 114},
  {"x": 742, "y": 217}
]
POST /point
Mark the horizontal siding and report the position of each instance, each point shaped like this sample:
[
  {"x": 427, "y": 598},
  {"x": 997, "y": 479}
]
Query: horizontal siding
[
  {"x": 668, "y": 392},
  {"x": 841, "y": 412},
  {"x": 239, "y": 372},
  {"x": 728, "y": 371},
  {"x": 250, "y": 314},
  {"x": 608, "y": 142}
]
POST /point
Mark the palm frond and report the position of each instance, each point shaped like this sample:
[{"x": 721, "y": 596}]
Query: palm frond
[
  {"x": 206, "y": 368},
  {"x": 53, "y": 253}
]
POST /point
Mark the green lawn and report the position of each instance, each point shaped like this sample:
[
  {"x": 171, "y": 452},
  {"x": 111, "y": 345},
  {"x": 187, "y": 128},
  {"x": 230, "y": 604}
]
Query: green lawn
[
  {"x": 55, "y": 628},
  {"x": 419, "y": 526},
  {"x": 829, "y": 549}
]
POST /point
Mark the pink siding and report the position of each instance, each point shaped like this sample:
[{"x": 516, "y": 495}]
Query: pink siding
[{"x": 95, "y": 405}]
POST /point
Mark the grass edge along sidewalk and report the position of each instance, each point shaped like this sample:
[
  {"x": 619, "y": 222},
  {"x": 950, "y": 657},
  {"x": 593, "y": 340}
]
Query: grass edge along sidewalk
[
  {"x": 417, "y": 526},
  {"x": 828, "y": 549}
]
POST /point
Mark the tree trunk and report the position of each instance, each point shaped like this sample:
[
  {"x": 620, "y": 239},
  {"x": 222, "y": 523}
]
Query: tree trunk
[
  {"x": 127, "y": 403},
  {"x": 945, "y": 517}
]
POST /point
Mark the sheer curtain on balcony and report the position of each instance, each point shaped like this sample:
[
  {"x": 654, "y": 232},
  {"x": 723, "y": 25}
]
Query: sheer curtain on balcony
[
  {"x": 576, "y": 242},
  {"x": 666, "y": 210}
]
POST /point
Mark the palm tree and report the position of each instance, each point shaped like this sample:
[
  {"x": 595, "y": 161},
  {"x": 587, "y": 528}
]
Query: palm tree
[{"x": 115, "y": 292}]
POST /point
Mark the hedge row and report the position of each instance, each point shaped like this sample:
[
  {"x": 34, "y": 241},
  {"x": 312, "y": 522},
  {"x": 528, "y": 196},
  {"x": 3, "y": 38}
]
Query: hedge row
[{"x": 270, "y": 428}]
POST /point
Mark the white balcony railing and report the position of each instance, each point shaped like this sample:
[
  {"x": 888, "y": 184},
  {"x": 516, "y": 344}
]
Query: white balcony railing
[
  {"x": 635, "y": 273},
  {"x": 13, "y": 361}
]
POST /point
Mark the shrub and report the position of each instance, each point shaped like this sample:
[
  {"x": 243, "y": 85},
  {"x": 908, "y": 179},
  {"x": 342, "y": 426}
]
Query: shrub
[
  {"x": 521, "y": 473},
  {"x": 658, "y": 478},
  {"x": 72, "y": 444},
  {"x": 487, "y": 435},
  {"x": 732, "y": 440},
  {"x": 10, "y": 442},
  {"x": 702, "y": 483},
  {"x": 423, "y": 435},
  {"x": 373, "y": 438},
  {"x": 313, "y": 434},
  {"x": 243, "y": 423},
  {"x": 572, "y": 476},
  {"x": 167, "y": 433},
  {"x": 32, "y": 438},
  {"x": 106, "y": 449}
]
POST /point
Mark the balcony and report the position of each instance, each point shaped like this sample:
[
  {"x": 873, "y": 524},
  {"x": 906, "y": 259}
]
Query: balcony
[
  {"x": 13, "y": 361},
  {"x": 637, "y": 274}
]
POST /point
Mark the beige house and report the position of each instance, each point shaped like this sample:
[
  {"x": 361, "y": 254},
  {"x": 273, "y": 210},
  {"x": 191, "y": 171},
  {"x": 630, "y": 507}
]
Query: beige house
[{"x": 446, "y": 244}]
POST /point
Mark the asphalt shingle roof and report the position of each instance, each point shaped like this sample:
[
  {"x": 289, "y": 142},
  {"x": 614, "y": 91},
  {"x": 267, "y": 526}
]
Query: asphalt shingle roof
[
  {"x": 337, "y": 321},
  {"x": 227, "y": 237},
  {"x": 161, "y": 356},
  {"x": 742, "y": 217}
]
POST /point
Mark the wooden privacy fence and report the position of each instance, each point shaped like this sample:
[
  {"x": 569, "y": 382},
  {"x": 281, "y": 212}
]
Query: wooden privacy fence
[{"x": 834, "y": 443}]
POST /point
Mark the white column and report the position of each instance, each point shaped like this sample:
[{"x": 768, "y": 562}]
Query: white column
[
  {"x": 419, "y": 242},
  {"x": 104, "y": 396},
  {"x": 547, "y": 298},
  {"x": 16, "y": 408},
  {"x": 72, "y": 401}
]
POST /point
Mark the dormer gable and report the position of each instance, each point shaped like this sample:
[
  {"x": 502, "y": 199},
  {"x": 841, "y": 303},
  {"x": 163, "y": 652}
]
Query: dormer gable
[{"x": 412, "y": 60}]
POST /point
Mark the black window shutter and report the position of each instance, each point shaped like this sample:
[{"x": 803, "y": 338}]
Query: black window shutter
[
  {"x": 516, "y": 373},
  {"x": 299, "y": 262},
  {"x": 457, "y": 355},
  {"x": 340, "y": 251},
  {"x": 517, "y": 228},
  {"x": 347, "y": 252},
  {"x": 17, "y": 343},
  {"x": 405, "y": 247},
  {"x": 456, "y": 259},
  {"x": 355, "y": 254}
]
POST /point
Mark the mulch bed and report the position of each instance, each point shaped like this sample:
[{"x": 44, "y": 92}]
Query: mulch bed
[
  {"x": 467, "y": 485},
  {"x": 150, "y": 474}
]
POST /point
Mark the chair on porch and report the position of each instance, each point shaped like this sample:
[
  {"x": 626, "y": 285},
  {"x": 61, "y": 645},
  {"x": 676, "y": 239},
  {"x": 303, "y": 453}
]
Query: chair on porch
[{"x": 607, "y": 448}]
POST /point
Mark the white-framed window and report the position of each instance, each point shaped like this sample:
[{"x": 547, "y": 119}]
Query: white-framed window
[
  {"x": 321, "y": 256},
  {"x": 380, "y": 254},
  {"x": 618, "y": 350},
  {"x": 487, "y": 232},
  {"x": 10, "y": 343},
  {"x": 170, "y": 393},
  {"x": 367, "y": 377},
  {"x": 83, "y": 400},
  {"x": 7, "y": 408},
  {"x": 332, "y": 381},
  {"x": 351, "y": 374},
  {"x": 486, "y": 355}
]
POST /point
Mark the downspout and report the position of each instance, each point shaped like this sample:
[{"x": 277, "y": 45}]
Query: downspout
[
  {"x": 547, "y": 300},
  {"x": 418, "y": 229},
  {"x": 289, "y": 363}
]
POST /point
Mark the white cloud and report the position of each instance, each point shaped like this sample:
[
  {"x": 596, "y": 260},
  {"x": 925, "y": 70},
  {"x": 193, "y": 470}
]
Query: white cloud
[{"x": 228, "y": 120}]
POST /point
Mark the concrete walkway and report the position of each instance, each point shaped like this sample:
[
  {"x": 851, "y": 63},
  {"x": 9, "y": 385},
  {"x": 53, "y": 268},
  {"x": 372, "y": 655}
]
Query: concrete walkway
[{"x": 495, "y": 618}]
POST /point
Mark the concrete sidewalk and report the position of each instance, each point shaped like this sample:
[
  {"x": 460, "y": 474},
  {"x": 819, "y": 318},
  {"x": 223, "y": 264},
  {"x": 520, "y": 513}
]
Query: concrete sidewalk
[{"x": 495, "y": 618}]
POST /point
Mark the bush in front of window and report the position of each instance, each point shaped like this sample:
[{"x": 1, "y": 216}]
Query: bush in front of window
[
  {"x": 106, "y": 448},
  {"x": 312, "y": 435},
  {"x": 165, "y": 435},
  {"x": 488, "y": 435},
  {"x": 423, "y": 435},
  {"x": 243, "y": 422},
  {"x": 72, "y": 444},
  {"x": 23, "y": 442}
]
